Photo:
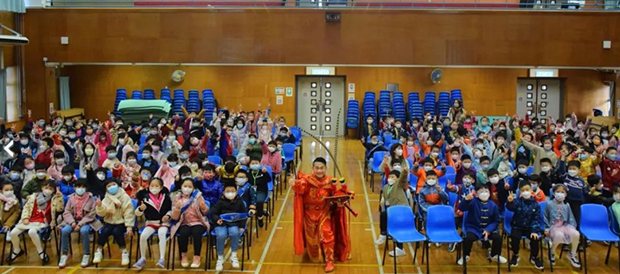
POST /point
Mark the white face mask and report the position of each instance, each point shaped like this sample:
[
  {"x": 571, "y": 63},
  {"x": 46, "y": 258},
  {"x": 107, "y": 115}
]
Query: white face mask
[
  {"x": 47, "y": 192},
  {"x": 101, "y": 176},
  {"x": 559, "y": 196},
  {"x": 484, "y": 196},
  {"x": 154, "y": 190},
  {"x": 573, "y": 173},
  {"x": 272, "y": 149},
  {"x": 187, "y": 190},
  {"x": 428, "y": 168},
  {"x": 522, "y": 170},
  {"x": 431, "y": 182},
  {"x": 67, "y": 178},
  {"x": 494, "y": 180},
  {"x": 434, "y": 154},
  {"x": 466, "y": 165},
  {"x": 391, "y": 181},
  {"x": 410, "y": 143},
  {"x": 398, "y": 152},
  {"x": 241, "y": 181},
  {"x": 545, "y": 168},
  {"x": 7, "y": 193},
  {"x": 548, "y": 146},
  {"x": 132, "y": 161},
  {"x": 230, "y": 195},
  {"x": 526, "y": 194},
  {"x": 399, "y": 168}
]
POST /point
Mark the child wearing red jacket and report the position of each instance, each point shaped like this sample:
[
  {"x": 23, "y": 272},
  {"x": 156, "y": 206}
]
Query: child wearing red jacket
[{"x": 610, "y": 170}]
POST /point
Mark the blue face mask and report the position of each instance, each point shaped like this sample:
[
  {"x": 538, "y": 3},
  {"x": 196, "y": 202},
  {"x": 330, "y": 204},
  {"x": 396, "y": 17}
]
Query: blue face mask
[
  {"x": 172, "y": 164},
  {"x": 251, "y": 141},
  {"x": 113, "y": 189},
  {"x": 254, "y": 167},
  {"x": 80, "y": 191},
  {"x": 184, "y": 157},
  {"x": 14, "y": 176},
  {"x": 583, "y": 157},
  {"x": 146, "y": 177},
  {"x": 612, "y": 157}
]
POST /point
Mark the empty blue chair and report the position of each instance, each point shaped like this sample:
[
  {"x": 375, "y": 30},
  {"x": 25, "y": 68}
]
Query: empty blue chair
[
  {"x": 377, "y": 158},
  {"x": 441, "y": 228},
  {"x": 594, "y": 226},
  {"x": 401, "y": 229},
  {"x": 289, "y": 153}
]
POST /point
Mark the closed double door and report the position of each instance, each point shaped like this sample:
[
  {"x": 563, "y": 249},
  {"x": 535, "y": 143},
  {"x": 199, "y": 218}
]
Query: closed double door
[
  {"x": 320, "y": 105},
  {"x": 539, "y": 98}
]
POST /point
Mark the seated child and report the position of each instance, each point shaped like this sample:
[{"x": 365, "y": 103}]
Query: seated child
[
  {"x": 117, "y": 212},
  {"x": 245, "y": 190},
  {"x": 560, "y": 225},
  {"x": 259, "y": 178},
  {"x": 525, "y": 222},
  {"x": 169, "y": 170},
  {"x": 155, "y": 205},
  {"x": 79, "y": 215},
  {"x": 482, "y": 222},
  {"x": 548, "y": 175},
  {"x": 189, "y": 211},
  {"x": 432, "y": 194},
  {"x": 37, "y": 214},
  {"x": 577, "y": 189},
  {"x": 422, "y": 173},
  {"x": 65, "y": 186},
  {"x": 498, "y": 188},
  {"x": 520, "y": 174},
  {"x": 211, "y": 188},
  {"x": 537, "y": 193},
  {"x": 9, "y": 207},
  {"x": 393, "y": 193},
  {"x": 595, "y": 196},
  {"x": 228, "y": 203}
]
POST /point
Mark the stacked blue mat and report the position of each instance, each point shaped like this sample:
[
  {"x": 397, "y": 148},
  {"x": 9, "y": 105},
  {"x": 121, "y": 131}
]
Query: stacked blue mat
[
  {"x": 208, "y": 104},
  {"x": 385, "y": 103},
  {"x": 149, "y": 94},
  {"x": 455, "y": 94},
  {"x": 193, "y": 101},
  {"x": 136, "y": 95},
  {"x": 369, "y": 105},
  {"x": 398, "y": 101},
  {"x": 179, "y": 101},
  {"x": 165, "y": 95},
  {"x": 353, "y": 114},
  {"x": 429, "y": 103},
  {"x": 443, "y": 104},
  {"x": 121, "y": 94}
]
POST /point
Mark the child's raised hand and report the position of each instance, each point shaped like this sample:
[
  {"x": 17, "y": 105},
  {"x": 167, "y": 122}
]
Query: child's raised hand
[
  {"x": 142, "y": 206},
  {"x": 506, "y": 186},
  {"x": 511, "y": 196},
  {"x": 534, "y": 236},
  {"x": 178, "y": 204},
  {"x": 98, "y": 202},
  {"x": 470, "y": 197},
  {"x": 438, "y": 188},
  {"x": 220, "y": 222}
]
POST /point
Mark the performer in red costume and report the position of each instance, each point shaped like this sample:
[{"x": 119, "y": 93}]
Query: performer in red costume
[{"x": 320, "y": 225}]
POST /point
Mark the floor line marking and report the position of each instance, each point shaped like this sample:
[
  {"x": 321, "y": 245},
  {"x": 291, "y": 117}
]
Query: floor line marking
[
  {"x": 275, "y": 225},
  {"x": 8, "y": 270},
  {"x": 372, "y": 227}
]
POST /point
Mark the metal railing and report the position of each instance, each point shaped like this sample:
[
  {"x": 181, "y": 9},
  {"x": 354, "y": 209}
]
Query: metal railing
[{"x": 576, "y": 5}]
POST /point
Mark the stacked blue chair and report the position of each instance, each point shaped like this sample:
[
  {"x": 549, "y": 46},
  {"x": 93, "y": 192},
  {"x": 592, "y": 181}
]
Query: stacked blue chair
[
  {"x": 385, "y": 103},
  {"x": 136, "y": 95},
  {"x": 369, "y": 105},
  {"x": 193, "y": 101},
  {"x": 208, "y": 104},
  {"x": 165, "y": 95},
  {"x": 429, "y": 102},
  {"x": 413, "y": 96},
  {"x": 443, "y": 104},
  {"x": 149, "y": 94},
  {"x": 455, "y": 94},
  {"x": 179, "y": 101},
  {"x": 400, "y": 113},
  {"x": 353, "y": 114},
  {"x": 416, "y": 110},
  {"x": 121, "y": 94}
]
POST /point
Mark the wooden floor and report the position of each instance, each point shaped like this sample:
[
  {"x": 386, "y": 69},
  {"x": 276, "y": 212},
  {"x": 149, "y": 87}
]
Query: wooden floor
[{"x": 273, "y": 253}]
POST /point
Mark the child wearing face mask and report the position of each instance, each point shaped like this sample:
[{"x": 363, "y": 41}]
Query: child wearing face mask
[
  {"x": 156, "y": 207},
  {"x": 15, "y": 177},
  {"x": 482, "y": 223},
  {"x": 595, "y": 196},
  {"x": 209, "y": 185},
  {"x": 393, "y": 193},
  {"x": 525, "y": 222},
  {"x": 29, "y": 172},
  {"x": 577, "y": 188},
  {"x": 230, "y": 202},
  {"x": 102, "y": 140},
  {"x": 369, "y": 128},
  {"x": 37, "y": 182},
  {"x": 588, "y": 163},
  {"x": 520, "y": 174},
  {"x": 373, "y": 145},
  {"x": 228, "y": 170},
  {"x": 271, "y": 157},
  {"x": 546, "y": 151},
  {"x": 38, "y": 213},
  {"x": 118, "y": 215},
  {"x": 422, "y": 173},
  {"x": 610, "y": 169},
  {"x": 89, "y": 157},
  {"x": 147, "y": 159},
  {"x": 79, "y": 215},
  {"x": 537, "y": 192},
  {"x": 498, "y": 188},
  {"x": 259, "y": 179},
  {"x": 169, "y": 170},
  {"x": 189, "y": 212},
  {"x": 431, "y": 193},
  {"x": 65, "y": 185},
  {"x": 560, "y": 225},
  {"x": 55, "y": 170},
  {"x": 112, "y": 163},
  {"x": 245, "y": 190},
  {"x": 548, "y": 175},
  {"x": 10, "y": 209}
]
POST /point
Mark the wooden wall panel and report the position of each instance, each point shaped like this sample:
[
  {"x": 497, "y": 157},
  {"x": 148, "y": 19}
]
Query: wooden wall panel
[
  {"x": 486, "y": 91},
  {"x": 8, "y": 19}
]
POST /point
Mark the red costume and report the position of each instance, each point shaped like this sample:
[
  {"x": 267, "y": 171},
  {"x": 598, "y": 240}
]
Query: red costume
[{"x": 318, "y": 224}]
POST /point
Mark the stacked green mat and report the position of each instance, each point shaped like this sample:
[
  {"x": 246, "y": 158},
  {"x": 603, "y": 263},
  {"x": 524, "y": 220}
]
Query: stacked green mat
[{"x": 138, "y": 110}]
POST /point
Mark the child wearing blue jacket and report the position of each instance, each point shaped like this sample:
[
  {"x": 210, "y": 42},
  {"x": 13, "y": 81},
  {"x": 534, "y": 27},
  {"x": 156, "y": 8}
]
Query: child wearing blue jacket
[
  {"x": 65, "y": 185},
  {"x": 525, "y": 222},
  {"x": 245, "y": 191},
  {"x": 577, "y": 188},
  {"x": 432, "y": 193},
  {"x": 482, "y": 222}
]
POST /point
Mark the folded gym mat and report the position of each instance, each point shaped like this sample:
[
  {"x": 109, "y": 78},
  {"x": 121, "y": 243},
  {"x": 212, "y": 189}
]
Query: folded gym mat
[{"x": 138, "y": 110}]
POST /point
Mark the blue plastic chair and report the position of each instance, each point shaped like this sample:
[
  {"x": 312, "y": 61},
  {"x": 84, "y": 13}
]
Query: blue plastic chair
[
  {"x": 464, "y": 233},
  {"x": 441, "y": 228},
  {"x": 530, "y": 170},
  {"x": 401, "y": 229},
  {"x": 450, "y": 170},
  {"x": 377, "y": 158},
  {"x": 217, "y": 160},
  {"x": 452, "y": 197},
  {"x": 231, "y": 217},
  {"x": 594, "y": 226},
  {"x": 508, "y": 229},
  {"x": 289, "y": 154}
]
